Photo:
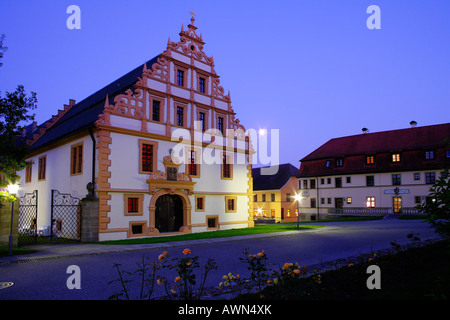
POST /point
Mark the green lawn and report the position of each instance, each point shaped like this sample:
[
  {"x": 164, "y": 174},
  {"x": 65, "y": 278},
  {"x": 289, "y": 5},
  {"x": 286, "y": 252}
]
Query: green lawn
[{"x": 258, "y": 229}]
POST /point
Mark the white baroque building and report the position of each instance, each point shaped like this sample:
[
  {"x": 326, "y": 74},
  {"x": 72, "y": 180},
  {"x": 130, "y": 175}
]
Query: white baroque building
[{"x": 161, "y": 145}]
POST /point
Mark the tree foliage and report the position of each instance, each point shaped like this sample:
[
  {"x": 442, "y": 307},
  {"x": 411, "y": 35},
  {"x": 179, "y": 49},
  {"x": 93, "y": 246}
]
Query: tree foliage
[
  {"x": 15, "y": 110},
  {"x": 438, "y": 209}
]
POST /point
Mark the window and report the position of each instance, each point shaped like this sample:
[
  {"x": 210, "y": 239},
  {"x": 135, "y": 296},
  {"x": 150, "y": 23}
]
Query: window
[
  {"x": 272, "y": 197},
  {"x": 349, "y": 200},
  {"x": 200, "y": 203},
  {"x": 339, "y": 162},
  {"x": 201, "y": 118},
  {"x": 76, "y": 159},
  {"x": 322, "y": 181},
  {"x": 137, "y": 229},
  {"x": 201, "y": 85},
  {"x": 305, "y": 184},
  {"x": 328, "y": 163},
  {"x": 322, "y": 200},
  {"x": 227, "y": 168},
  {"x": 180, "y": 116},
  {"x": 42, "y": 168},
  {"x": 133, "y": 204},
  {"x": 180, "y": 78},
  {"x": 230, "y": 204},
  {"x": 396, "y": 157},
  {"x": 328, "y": 200},
  {"x": 338, "y": 182},
  {"x": 370, "y": 181},
  {"x": 349, "y": 179},
  {"x": 263, "y": 198},
  {"x": 416, "y": 176},
  {"x": 255, "y": 198},
  {"x": 447, "y": 154},
  {"x": 328, "y": 180},
  {"x": 430, "y": 177},
  {"x": 370, "y": 202},
  {"x": 418, "y": 200},
  {"x": 28, "y": 172},
  {"x": 193, "y": 162},
  {"x": 212, "y": 222},
  {"x": 272, "y": 213},
  {"x": 313, "y": 202},
  {"x": 220, "y": 124},
  {"x": 147, "y": 156},
  {"x": 156, "y": 111},
  {"x": 396, "y": 180},
  {"x": 370, "y": 159},
  {"x": 288, "y": 197},
  {"x": 312, "y": 183},
  {"x": 429, "y": 155}
]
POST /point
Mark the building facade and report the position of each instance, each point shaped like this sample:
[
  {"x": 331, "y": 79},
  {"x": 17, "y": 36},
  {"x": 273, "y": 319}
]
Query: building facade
[
  {"x": 161, "y": 145},
  {"x": 378, "y": 173},
  {"x": 274, "y": 195}
]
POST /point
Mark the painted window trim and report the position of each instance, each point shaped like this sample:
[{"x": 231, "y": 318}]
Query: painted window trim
[
  {"x": 137, "y": 223},
  {"x": 140, "y": 198},
  {"x": 206, "y": 112},
  {"x": 225, "y": 123},
  {"x": 29, "y": 172},
  {"x": 184, "y": 107},
  {"x": 75, "y": 149},
  {"x": 197, "y": 160},
  {"x": 42, "y": 172},
  {"x": 161, "y": 109},
  {"x": 216, "y": 227},
  {"x": 196, "y": 204},
  {"x": 155, "y": 155},
  {"x": 234, "y": 198},
  {"x": 204, "y": 76},
  {"x": 228, "y": 155},
  {"x": 185, "y": 76}
]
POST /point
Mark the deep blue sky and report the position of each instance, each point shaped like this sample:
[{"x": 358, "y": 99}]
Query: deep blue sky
[{"x": 310, "y": 68}]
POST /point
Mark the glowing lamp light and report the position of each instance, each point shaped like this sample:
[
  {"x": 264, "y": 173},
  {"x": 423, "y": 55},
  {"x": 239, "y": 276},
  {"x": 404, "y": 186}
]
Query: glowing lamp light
[
  {"x": 298, "y": 197},
  {"x": 13, "y": 189}
]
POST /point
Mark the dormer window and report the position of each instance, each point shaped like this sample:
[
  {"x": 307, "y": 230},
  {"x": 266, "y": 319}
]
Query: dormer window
[
  {"x": 429, "y": 155},
  {"x": 396, "y": 157},
  {"x": 328, "y": 163},
  {"x": 370, "y": 159},
  {"x": 339, "y": 162}
]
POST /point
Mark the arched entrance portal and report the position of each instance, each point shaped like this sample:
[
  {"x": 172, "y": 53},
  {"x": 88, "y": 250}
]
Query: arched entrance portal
[{"x": 169, "y": 213}]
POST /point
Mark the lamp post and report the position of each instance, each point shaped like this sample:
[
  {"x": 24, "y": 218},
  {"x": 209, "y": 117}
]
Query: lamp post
[
  {"x": 298, "y": 198},
  {"x": 12, "y": 190}
]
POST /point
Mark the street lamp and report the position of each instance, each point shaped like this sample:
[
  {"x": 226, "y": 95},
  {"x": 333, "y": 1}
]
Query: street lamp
[
  {"x": 12, "y": 190},
  {"x": 298, "y": 197}
]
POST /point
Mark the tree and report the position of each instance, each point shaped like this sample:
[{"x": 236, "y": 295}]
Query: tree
[
  {"x": 14, "y": 111},
  {"x": 438, "y": 209}
]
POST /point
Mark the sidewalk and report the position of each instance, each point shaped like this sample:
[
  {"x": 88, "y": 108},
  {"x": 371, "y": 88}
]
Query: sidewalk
[{"x": 54, "y": 251}]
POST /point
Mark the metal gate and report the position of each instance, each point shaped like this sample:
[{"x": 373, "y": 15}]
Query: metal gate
[
  {"x": 27, "y": 227},
  {"x": 65, "y": 217}
]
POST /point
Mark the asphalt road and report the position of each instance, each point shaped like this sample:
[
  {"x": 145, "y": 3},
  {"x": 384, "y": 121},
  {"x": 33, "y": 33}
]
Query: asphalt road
[{"x": 46, "y": 279}]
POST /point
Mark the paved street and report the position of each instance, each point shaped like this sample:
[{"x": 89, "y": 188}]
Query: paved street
[{"x": 43, "y": 275}]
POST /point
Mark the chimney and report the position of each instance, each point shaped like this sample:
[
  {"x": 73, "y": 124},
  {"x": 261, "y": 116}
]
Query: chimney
[
  {"x": 365, "y": 130},
  {"x": 413, "y": 124}
]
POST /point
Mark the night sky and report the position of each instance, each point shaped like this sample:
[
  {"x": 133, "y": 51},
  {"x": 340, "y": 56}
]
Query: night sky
[{"x": 311, "y": 69}]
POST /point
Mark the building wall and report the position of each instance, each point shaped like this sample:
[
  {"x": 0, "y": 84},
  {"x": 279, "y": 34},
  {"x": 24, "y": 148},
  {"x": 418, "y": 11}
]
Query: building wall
[
  {"x": 357, "y": 191},
  {"x": 58, "y": 175},
  {"x": 285, "y": 206}
]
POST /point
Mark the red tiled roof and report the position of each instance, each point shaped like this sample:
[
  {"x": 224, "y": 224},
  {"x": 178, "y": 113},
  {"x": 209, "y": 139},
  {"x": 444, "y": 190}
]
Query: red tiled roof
[
  {"x": 411, "y": 143},
  {"x": 385, "y": 141}
]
